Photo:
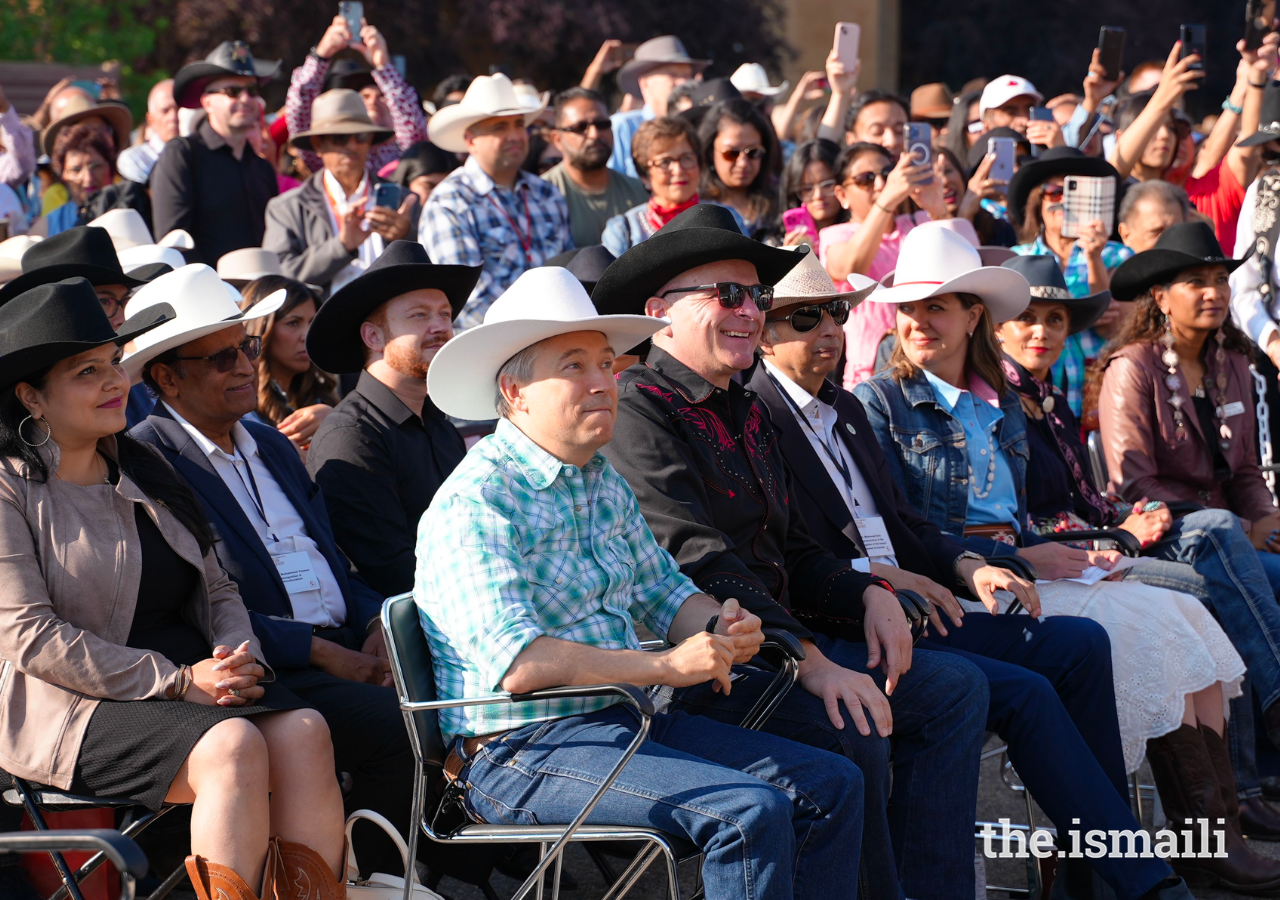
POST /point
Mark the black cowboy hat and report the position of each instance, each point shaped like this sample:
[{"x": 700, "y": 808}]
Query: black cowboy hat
[
  {"x": 84, "y": 251},
  {"x": 706, "y": 94},
  {"x": 53, "y": 321},
  {"x": 699, "y": 235},
  {"x": 228, "y": 59},
  {"x": 1186, "y": 245},
  {"x": 586, "y": 264},
  {"x": 1047, "y": 284},
  {"x": 333, "y": 341},
  {"x": 352, "y": 74},
  {"x": 1058, "y": 161},
  {"x": 1269, "y": 120}
]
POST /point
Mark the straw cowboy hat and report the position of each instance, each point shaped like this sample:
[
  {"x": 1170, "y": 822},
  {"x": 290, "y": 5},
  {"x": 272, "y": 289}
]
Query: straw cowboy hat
[
  {"x": 935, "y": 261},
  {"x": 78, "y": 108},
  {"x": 487, "y": 97},
  {"x": 204, "y": 304},
  {"x": 11, "y": 253},
  {"x": 135, "y": 248},
  {"x": 751, "y": 78},
  {"x": 542, "y": 303},
  {"x": 665, "y": 50},
  {"x": 809, "y": 282},
  {"x": 339, "y": 111},
  {"x": 228, "y": 59}
]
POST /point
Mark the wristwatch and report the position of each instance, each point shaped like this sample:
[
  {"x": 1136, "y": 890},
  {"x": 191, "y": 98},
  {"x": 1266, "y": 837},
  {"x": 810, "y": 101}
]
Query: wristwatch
[{"x": 955, "y": 566}]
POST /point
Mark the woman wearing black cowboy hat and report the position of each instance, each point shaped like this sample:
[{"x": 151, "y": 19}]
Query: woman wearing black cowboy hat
[{"x": 131, "y": 667}]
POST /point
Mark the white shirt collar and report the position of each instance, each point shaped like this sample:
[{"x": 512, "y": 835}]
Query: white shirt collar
[
  {"x": 244, "y": 441},
  {"x": 810, "y": 405},
  {"x": 336, "y": 190}
]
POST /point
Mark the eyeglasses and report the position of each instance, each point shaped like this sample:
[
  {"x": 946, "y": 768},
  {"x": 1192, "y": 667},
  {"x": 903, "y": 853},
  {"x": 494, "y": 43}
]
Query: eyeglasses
[
  {"x": 807, "y": 318},
  {"x": 686, "y": 161},
  {"x": 1051, "y": 192},
  {"x": 822, "y": 187},
  {"x": 225, "y": 360},
  {"x": 732, "y": 295},
  {"x": 752, "y": 153},
  {"x": 867, "y": 180},
  {"x": 235, "y": 90},
  {"x": 341, "y": 140},
  {"x": 581, "y": 128},
  {"x": 110, "y": 305},
  {"x": 87, "y": 169}
]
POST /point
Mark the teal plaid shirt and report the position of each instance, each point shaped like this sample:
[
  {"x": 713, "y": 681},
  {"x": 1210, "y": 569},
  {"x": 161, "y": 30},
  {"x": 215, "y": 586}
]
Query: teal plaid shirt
[
  {"x": 518, "y": 544},
  {"x": 1081, "y": 349}
]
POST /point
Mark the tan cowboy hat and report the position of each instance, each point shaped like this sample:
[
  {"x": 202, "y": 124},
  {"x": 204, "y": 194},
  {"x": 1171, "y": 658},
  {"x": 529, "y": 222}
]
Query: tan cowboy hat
[
  {"x": 809, "y": 282},
  {"x": 339, "y": 111},
  {"x": 487, "y": 97},
  {"x": 664, "y": 50},
  {"x": 78, "y": 108},
  {"x": 931, "y": 101}
]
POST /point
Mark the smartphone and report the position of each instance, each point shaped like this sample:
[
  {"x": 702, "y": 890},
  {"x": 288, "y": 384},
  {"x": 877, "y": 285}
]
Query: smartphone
[
  {"x": 920, "y": 145},
  {"x": 848, "y": 34},
  {"x": 353, "y": 12},
  {"x": 1085, "y": 198},
  {"x": 1259, "y": 17},
  {"x": 1193, "y": 39},
  {"x": 1004, "y": 148},
  {"x": 800, "y": 219},
  {"x": 1111, "y": 51},
  {"x": 387, "y": 195},
  {"x": 398, "y": 63}
]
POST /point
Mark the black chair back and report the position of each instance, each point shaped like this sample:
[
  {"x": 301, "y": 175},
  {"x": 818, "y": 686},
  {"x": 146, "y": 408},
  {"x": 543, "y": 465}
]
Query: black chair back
[{"x": 411, "y": 655}]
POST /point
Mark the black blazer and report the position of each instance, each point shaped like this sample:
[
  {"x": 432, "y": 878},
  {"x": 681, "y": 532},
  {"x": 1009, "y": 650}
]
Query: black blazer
[
  {"x": 918, "y": 544},
  {"x": 286, "y": 643}
]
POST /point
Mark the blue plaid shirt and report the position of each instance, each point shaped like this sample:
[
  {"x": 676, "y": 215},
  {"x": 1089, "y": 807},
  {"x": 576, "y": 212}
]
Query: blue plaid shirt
[
  {"x": 470, "y": 221},
  {"x": 1082, "y": 348},
  {"x": 518, "y": 544}
]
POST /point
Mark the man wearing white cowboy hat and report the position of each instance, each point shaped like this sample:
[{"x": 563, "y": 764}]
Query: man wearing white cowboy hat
[
  {"x": 490, "y": 212},
  {"x": 659, "y": 66},
  {"x": 532, "y": 562},
  {"x": 328, "y": 230},
  {"x": 134, "y": 245}
]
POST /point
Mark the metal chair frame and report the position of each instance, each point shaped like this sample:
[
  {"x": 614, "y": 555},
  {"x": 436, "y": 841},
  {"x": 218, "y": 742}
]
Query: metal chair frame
[{"x": 128, "y": 858}]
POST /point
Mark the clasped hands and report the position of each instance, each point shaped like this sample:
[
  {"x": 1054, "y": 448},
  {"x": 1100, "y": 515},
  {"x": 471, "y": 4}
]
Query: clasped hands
[{"x": 213, "y": 679}]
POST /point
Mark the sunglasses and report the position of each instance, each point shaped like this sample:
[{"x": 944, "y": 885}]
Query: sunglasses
[
  {"x": 732, "y": 295},
  {"x": 1051, "y": 192},
  {"x": 341, "y": 140},
  {"x": 234, "y": 91},
  {"x": 581, "y": 128},
  {"x": 867, "y": 180},
  {"x": 753, "y": 154},
  {"x": 225, "y": 360},
  {"x": 807, "y": 318}
]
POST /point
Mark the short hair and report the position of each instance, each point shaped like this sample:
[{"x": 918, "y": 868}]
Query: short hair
[
  {"x": 866, "y": 98},
  {"x": 520, "y": 368},
  {"x": 168, "y": 358},
  {"x": 844, "y": 162},
  {"x": 668, "y": 128},
  {"x": 564, "y": 98},
  {"x": 1167, "y": 193},
  {"x": 452, "y": 84},
  {"x": 377, "y": 318},
  {"x": 82, "y": 138}
]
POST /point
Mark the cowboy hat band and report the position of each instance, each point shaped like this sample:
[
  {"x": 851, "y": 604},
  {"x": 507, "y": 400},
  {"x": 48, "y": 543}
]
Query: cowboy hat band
[
  {"x": 1049, "y": 285},
  {"x": 1043, "y": 292}
]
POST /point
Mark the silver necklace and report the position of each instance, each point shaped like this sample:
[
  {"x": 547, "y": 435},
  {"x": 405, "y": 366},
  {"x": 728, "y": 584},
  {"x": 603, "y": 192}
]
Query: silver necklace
[{"x": 991, "y": 470}]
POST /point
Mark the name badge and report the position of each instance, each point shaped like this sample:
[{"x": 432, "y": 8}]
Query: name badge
[
  {"x": 875, "y": 537},
  {"x": 297, "y": 572},
  {"x": 1233, "y": 409}
]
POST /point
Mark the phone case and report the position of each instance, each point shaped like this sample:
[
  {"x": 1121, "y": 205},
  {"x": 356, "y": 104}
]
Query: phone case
[
  {"x": 920, "y": 145},
  {"x": 848, "y": 36},
  {"x": 1004, "y": 149},
  {"x": 800, "y": 219},
  {"x": 1086, "y": 198}
]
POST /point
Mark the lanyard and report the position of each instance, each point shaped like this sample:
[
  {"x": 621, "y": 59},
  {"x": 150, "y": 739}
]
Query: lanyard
[
  {"x": 252, "y": 489},
  {"x": 841, "y": 466},
  {"x": 526, "y": 240}
]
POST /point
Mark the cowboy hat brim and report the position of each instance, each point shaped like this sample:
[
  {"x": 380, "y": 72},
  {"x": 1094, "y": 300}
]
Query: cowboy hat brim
[
  {"x": 1004, "y": 292},
  {"x": 1082, "y": 312},
  {"x": 302, "y": 139},
  {"x": 1137, "y": 274},
  {"x": 462, "y": 380},
  {"x": 630, "y": 73},
  {"x": 447, "y": 127},
  {"x": 862, "y": 288},
  {"x": 1261, "y": 136},
  {"x": 191, "y": 79},
  {"x": 1037, "y": 172},
  {"x": 49, "y": 274},
  {"x": 333, "y": 341},
  {"x": 765, "y": 90},
  {"x": 136, "y": 361},
  {"x": 115, "y": 114}
]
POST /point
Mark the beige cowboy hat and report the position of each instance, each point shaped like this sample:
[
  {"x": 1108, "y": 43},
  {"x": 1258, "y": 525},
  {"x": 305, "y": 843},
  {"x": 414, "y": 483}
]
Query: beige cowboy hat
[
  {"x": 809, "y": 282},
  {"x": 488, "y": 96},
  {"x": 339, "y": 111},
  {"x": 78, "y": 108},
  {"x": 664, "y": 50}
]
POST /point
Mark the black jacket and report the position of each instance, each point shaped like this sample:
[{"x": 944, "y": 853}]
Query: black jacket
[
  {"x": 918, "y": 544},
  {"x": 712, "y": 484}
]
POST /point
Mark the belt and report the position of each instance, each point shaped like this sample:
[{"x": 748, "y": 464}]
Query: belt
[{"x": 455, "y": 762}]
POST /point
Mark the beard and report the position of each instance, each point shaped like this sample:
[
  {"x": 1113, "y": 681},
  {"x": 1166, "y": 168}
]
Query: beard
[
  {"x": 407, "y": 362},
  {"x": 593, "y": 155}
]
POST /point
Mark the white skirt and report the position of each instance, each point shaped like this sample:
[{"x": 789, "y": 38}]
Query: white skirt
[{"x": 1164, "y": 646}]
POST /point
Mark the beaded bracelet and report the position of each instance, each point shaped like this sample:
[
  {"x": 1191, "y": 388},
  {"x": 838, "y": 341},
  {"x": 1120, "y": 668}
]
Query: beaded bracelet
[{"x": 1231, "y": 107}]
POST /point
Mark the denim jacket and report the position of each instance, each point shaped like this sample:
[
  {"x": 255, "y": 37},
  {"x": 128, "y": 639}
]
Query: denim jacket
[{"x": 925, "y": 448}]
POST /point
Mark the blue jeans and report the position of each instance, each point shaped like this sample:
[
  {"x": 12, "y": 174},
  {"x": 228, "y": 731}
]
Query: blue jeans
[
  {"x": 774, "y": 819},
  {"x": 1053, "y": 701},
  {"x": 1271, "y": 565},
  {"x": 939, "y": 710}
]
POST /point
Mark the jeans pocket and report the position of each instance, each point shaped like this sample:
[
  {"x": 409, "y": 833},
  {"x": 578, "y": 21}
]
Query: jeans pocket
[{"x": 511, "y": 748}]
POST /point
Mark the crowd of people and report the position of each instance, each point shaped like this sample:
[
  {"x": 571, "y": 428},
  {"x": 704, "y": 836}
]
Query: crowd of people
[{"x": 726, "y": 359}]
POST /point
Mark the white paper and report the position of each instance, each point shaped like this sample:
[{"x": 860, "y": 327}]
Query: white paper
[{"x": 1094, "y": 574}]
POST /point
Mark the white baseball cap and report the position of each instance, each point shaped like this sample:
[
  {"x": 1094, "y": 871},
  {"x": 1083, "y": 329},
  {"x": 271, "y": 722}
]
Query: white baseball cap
[{"x": 1001, "y": 90}]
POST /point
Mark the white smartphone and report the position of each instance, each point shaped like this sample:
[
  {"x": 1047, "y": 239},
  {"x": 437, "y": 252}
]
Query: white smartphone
[
  {"x": 848, "y": 34},
  {"x": 1004, "y": 148},
  {"x": 1085, "y": 198}
]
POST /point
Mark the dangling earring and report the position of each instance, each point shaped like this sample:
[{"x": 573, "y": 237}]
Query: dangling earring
[
  {"x": 47, "y": 434},
  {"x": 1170, "y": 358}
]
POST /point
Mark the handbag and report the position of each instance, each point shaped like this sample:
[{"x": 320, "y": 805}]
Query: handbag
[{"x": 379, "y": 885}]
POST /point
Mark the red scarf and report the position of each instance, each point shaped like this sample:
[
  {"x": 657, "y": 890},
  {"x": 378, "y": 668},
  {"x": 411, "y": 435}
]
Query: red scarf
[{"x": 661, "y": 215}]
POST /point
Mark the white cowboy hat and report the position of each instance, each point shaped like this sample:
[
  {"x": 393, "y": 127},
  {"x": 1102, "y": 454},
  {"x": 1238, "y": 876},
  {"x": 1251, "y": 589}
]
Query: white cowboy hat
[
  {"x": 935, "y": 261},
  {"x": 11, "y": 255},
  {"x": 128, "y": 229},
  {"x": 204, "y": 304},
  {"x": 136, "y": 257},
  {"x": 809, "y": 282},
  {"x": 239, "y": 267},
  {"x": 751, "y": 78},
  {"x": 542, "y": 303},
  {"x": 487, "y": 97},
  {"x": 530, "y": 97}
]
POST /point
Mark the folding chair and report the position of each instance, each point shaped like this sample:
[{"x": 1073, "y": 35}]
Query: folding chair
[
  {"x": 35, "y": 799},
  {"x": 129, "y": 860},
  {"x": 415, "y": 683}
]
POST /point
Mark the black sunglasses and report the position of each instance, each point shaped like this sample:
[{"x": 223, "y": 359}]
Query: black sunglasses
[
  {"x": 225, "y": 360},
  {"x": 732, "y": 295},
  {"x": 807, "y": 318},
  {"x": 866, "y": 180},
  {"x": 581, "y": 128},
  {"x": 341, "y": 140},
  {"x": 235, "y": 90}
]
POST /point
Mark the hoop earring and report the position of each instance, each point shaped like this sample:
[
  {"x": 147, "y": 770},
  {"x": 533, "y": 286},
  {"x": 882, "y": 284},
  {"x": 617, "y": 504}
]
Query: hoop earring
[{"x": 47, "y": 434}]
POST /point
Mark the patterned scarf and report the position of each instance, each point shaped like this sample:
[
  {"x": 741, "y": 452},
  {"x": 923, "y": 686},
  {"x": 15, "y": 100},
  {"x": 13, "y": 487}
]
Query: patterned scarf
[
  {"x": 1089, "y": 503},
  {"x": 661, "y": 215}
]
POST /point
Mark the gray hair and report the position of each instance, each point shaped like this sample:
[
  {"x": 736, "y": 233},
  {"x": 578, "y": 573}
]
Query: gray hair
[
  {"x": 520, "y": 368},
  {"x": 1166, "y": 193}
]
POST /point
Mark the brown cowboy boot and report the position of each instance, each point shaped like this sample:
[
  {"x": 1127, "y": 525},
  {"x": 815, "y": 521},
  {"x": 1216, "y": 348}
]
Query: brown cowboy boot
[
  {"x": 301, "y": 874},
  {"x": 214, "y": 882}
]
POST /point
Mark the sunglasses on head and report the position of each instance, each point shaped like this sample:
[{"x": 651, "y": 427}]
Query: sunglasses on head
[
  {"x": 225, "y": 360},
  {"x": 581, "y": 128},
  {"x": 807, "y": 318},
  {"x": 732, "y": 295},
  {"x": 1051, "y": 192},
  {"x": 867, "y": 180},
  {"x": 235, "y": 90},
  {"x": 731, "y": 155}
]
